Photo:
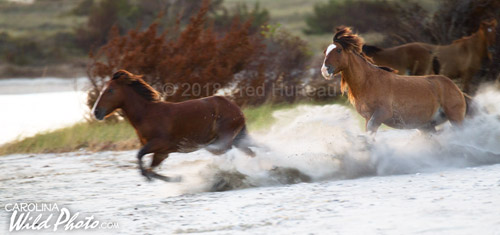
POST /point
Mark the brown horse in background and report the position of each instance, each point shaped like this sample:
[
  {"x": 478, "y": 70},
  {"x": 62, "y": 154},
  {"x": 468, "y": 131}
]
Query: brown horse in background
[
  {"x": 408, "y": 59},
  {"x": 460, "y": 59},
  {"x": 214, "y": 123},
  {"x": 382, "y": 96}
]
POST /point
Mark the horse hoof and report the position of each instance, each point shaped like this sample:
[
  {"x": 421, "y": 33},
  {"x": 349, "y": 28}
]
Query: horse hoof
[
  {"x": 176, "y": 179},
  {"x": 148, "y": 178},
  {"x": 147, "y": 175}
]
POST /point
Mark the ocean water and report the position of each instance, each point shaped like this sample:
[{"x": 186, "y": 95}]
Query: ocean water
[{"x": 29, "y": 106}]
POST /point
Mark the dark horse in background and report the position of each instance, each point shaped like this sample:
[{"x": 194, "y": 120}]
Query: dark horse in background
[
  {"x": 382, "y": 96},
  {"x": 458, "y": 60},
  {"x": 213, "y": 123}
]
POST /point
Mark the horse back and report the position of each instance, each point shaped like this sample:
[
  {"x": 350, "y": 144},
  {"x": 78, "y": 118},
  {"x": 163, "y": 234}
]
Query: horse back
[
  {"x": 202, "y": 119},
  {"x": 209, "y": 108},
  {"x": 413, "y": 58}
]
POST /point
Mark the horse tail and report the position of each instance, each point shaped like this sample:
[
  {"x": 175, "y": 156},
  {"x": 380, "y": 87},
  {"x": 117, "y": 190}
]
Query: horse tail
[
  {"x": 243, "y": 142},
  {"x": 371, "y": 50},
  {"x": 471, "y": 107},
  {"x": 436, "y": 66}
]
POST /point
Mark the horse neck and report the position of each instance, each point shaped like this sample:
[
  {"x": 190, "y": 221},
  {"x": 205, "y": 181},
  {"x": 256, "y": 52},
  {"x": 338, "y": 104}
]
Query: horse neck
[
  {"x": 356, "y": 74},
  {"x": 134, "y": 106},
  {"x": 477, "y": 43}
]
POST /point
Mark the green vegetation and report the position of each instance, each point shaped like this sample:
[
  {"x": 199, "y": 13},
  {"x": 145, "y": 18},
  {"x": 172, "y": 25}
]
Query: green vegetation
[
  {"x": 93, "y": 136},
  {"x": 262, "y": 116},
  {"x": 42, "y": 18},
  {"x": 290, "y": 14}
]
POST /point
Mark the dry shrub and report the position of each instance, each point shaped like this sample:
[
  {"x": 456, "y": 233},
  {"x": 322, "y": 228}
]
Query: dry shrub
[
  {"x": 198, "y": 61},
  {"x": 126, "y": 15},
  {"x": 278, "y": 76},
  {"x": 195, "y": 64},
  {"x": 258, "y": 16}
]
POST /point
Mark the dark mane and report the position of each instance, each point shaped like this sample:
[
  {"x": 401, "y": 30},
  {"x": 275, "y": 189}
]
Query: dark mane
[
  {"x": 137, "y": 84},
  {"x": 371, "y": 50},
  {"x": 348, "y": 40},
  {"x": 354, "y": 43},
  {"x": 387, "y": 69},
  {"x": 463, "y": 39}
]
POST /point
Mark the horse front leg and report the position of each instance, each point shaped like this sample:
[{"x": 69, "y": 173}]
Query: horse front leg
[
  {"x": 143, "y": 151},
  {"x": 149, "y": 147},
  {"x": 466, "y": 81},
  {"x": 376, "y": 119},
  {"x": 157, "y": 159}
]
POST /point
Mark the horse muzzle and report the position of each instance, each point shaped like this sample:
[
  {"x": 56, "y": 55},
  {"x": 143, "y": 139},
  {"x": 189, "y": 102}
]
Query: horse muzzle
[
  {"x": 99, "y": 114},
  {"x": 327, "y": 71}
]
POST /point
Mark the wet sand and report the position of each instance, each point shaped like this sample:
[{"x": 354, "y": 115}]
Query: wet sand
[{"x": 108, "y": 186}]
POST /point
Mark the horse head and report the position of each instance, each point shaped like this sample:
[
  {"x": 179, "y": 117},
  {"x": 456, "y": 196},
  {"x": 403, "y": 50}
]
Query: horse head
[
  {"x": 111, "y": 97},
  {"x": 336, "y": 54},
  {"x": 488, "y": 29}
]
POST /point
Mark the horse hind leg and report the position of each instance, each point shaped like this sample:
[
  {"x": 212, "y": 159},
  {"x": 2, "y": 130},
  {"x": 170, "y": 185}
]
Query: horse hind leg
[
  {"x": 227, "y": 138},
  {"x": 455, "y": 114},
  {"x": 220, "y": 146},
  {"x": 243, "y": 142}
]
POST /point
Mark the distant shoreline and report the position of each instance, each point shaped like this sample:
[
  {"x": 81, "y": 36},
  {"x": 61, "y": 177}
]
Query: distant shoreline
[{"x": 65, "y": 70}]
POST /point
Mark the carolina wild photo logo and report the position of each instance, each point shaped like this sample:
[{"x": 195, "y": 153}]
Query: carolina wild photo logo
[{"x": 49, "y": 216}]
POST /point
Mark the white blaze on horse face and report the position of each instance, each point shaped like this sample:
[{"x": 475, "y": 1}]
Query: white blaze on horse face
[
  {"x": 489, "y": 30},
  {"x": 324, "y": 70},
  {"x": 99, "y": 98},
  {"x": 329, "y": 49}
]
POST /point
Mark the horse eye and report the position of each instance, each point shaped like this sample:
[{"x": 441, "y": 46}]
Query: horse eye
[
  {"x": 110, "y": 90},
  {"x": 339, "y": 50}
]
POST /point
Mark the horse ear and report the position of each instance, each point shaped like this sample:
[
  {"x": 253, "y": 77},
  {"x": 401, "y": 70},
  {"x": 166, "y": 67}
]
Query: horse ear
[
  {"x": 120, "y": 73},
  {"x": 116, "y": 76},
  {"x": 489, "y": 23}
]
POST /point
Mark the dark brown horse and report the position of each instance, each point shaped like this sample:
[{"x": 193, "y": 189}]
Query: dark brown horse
[
  {"x": 382, "y": 96},
  {"x": 214, "y": 123},
  {"x": 458, "y": 60}
]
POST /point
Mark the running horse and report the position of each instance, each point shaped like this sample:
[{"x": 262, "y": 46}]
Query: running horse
[
  {"x": 460, "y": 59},
  {"x": 382, "y": 96},
  {"x": 213, "y": 123}
]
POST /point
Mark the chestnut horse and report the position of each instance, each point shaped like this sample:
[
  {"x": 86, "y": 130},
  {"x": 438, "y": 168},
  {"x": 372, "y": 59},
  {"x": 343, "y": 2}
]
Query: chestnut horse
[
  {"x": 460, "y": 59},
  {"x": 382, "y": 96},
  {"x": 214, "y": 123}
]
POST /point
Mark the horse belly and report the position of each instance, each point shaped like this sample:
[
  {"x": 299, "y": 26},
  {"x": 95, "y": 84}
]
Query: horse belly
[
  {"x": 416, "y": 116},
  {"x": 437, "y": 118}
]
